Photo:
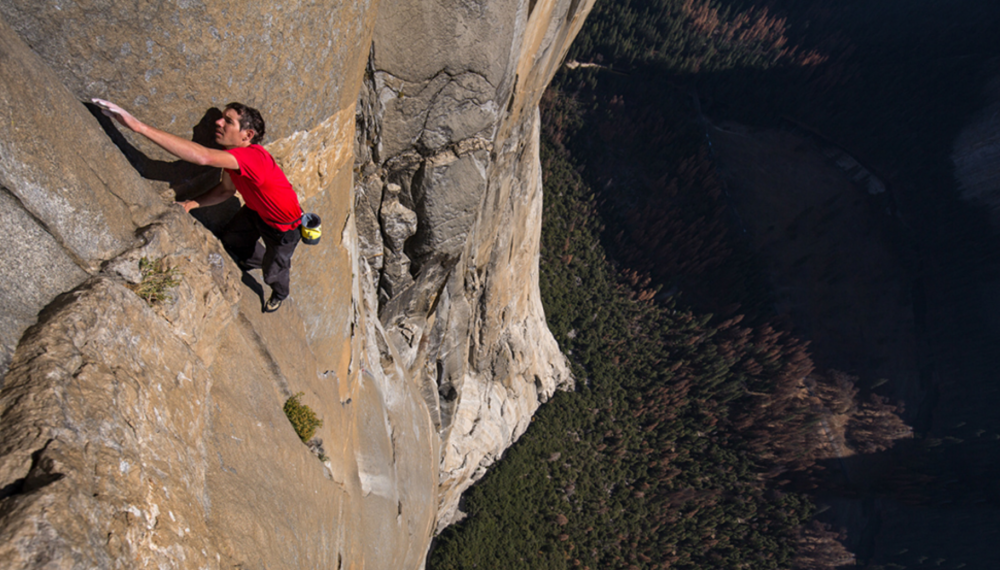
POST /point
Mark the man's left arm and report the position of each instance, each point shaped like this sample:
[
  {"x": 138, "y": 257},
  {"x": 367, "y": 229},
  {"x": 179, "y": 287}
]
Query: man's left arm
[{"x": 221, "y": 192}]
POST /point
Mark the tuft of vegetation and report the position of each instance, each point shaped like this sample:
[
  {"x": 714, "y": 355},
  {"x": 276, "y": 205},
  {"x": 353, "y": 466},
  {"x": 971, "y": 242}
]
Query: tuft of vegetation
[
  {"x": 157, "y": 281},
  {"x": 303, "y": 419}
]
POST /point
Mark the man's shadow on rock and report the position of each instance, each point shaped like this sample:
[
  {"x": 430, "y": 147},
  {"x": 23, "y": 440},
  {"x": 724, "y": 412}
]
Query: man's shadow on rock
[
  {"x": 254, "y": 285},
  {"x": 185, "y": 179}
]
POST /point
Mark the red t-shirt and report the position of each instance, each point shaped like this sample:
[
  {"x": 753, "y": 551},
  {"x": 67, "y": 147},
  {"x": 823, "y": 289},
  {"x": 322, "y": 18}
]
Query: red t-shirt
[{"x": 264, "y": 187}]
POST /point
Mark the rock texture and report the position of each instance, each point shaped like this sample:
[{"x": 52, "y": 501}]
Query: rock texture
[
  {"x": 104, "y": 457},
  {"x": 153, "y": 436},
  {"x": 169, "y": 63},
  {"x": 172, "y": 64},
  {"x": 137, "y": 435},
  {"x": 69, "y": 199},
  {"x": 449, "y": 136}
]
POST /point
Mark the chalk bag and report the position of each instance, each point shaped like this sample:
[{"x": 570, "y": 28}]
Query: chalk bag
[{"x": 310, "y": 228}]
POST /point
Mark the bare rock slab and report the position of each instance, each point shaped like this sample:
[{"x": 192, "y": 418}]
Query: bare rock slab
[{"x": 69, "y": 199}]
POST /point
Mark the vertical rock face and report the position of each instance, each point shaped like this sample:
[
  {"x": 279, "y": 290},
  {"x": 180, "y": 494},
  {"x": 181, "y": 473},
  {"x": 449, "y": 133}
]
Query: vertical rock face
[
  {"x": 449, "y": 135},
  {"x": 136, "y": 435}
]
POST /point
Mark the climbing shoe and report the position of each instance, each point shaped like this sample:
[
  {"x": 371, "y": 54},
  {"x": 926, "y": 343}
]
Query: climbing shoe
[{"x": 272, "y": 304}]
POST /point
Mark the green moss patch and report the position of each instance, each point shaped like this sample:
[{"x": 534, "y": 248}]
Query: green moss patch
[
  {"x": 157, "y": 281},
  {"x": 302, "y": 417}
]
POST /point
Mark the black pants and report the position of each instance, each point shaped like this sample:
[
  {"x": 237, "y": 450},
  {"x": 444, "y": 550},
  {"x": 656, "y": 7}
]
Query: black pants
[{"x": 275, "y": 257}]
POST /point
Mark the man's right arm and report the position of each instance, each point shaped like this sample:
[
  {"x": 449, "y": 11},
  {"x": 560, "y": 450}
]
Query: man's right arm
[{"x": 183, "y": 149}]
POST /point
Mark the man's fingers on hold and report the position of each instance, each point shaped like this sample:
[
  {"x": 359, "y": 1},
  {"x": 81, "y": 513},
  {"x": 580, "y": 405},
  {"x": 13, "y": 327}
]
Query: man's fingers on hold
[{"x": 108, "y": 108}]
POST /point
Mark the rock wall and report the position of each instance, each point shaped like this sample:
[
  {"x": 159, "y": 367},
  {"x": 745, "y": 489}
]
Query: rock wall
[
  {"x": 134, "y": 434},
  {"x": 449, "y": 210},
  {"x": 69, "y": 199}
]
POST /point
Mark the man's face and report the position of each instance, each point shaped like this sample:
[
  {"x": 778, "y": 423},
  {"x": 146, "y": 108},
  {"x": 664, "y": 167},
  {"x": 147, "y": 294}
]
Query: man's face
[{"x": 228, "y": 133}]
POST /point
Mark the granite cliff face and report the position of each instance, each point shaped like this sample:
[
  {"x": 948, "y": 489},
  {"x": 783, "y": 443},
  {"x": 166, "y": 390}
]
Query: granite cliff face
[
  {"x": 449, "y": 213},
  {"x": 134, "y": 435}
]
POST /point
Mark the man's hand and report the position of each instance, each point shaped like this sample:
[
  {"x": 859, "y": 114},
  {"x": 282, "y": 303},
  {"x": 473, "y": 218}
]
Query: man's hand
[
  {"x": 121, "y": 115},
  {"x": 219, "y": 193},
  {"x": 188, "y": 205}
]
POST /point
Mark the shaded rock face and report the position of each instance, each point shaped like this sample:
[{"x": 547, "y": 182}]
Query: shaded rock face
[
  {"x": 448, "y": 130},
  {"x": 135, "y": 435}
]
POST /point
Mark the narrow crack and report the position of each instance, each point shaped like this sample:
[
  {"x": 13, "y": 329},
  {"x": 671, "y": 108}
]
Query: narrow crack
[
  {"x": 110, "y": 187},
  {"x": 265, "y": 353},
  {"x": 433, "y": 98},
  {"x": 439, "y": 74}
]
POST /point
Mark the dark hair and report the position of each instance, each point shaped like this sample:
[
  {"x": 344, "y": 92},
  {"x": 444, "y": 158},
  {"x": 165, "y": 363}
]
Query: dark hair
[{"x": 249, "y": 119}]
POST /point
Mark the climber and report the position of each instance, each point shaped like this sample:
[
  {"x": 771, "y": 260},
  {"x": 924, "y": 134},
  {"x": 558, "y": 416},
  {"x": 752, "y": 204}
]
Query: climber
[{"x": 271, "y": 211}]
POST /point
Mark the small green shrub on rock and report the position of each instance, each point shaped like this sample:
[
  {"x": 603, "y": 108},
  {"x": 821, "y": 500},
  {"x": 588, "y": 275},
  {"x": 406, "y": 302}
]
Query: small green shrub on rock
[
  {"x": 157, "y": 280},
  {"x": 303, "y": 419}
]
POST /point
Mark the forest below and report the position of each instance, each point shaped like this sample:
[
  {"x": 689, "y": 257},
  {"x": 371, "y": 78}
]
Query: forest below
[{"x": 704, "y": 432}]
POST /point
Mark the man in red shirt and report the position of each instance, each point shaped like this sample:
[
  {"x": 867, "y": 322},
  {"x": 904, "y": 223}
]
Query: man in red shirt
[{"x": 271, "y": 211}]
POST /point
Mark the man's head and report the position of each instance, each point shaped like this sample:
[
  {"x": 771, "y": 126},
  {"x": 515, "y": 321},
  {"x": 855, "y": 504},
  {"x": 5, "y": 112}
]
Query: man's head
[{"x": 239, "y": 126}]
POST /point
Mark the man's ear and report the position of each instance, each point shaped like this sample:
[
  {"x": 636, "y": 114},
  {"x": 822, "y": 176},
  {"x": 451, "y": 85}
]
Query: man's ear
[{"x": 248, "y": 134}]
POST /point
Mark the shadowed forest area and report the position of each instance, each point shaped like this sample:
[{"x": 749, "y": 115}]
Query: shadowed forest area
[{"x": 762, "y": 381}]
